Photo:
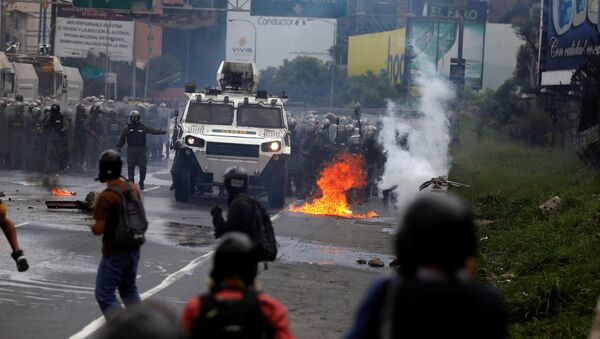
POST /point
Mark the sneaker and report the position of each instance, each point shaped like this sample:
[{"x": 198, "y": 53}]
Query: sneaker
[
  {"x": 21, "y": 261},
  {"x": 142, "y": 186}
]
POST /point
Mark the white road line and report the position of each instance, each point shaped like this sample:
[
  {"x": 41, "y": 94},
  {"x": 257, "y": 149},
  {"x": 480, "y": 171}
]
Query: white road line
[
  {"x": 23, "y": 224},
  {"x": 151, "y": 189},
  {"x": 168, "y": 281}
]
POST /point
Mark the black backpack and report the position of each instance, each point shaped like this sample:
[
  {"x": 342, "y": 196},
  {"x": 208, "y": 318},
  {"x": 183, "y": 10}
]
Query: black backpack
[
  {"x": 131, "y": 228},
  {"x": 265, "y": 235},
  {"x": 231, "y": 319}
]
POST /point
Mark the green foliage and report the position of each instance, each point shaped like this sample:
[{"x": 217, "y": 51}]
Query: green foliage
[
  {"x": 545, "y": 265},
  {"x": 307, "y": 79}
]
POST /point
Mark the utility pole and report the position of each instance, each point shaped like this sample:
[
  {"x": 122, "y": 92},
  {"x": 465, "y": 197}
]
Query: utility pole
[{"x": 460, "y": 85}]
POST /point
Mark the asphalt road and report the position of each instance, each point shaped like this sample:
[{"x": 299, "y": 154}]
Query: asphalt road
[{"x": 316, "y": 275}]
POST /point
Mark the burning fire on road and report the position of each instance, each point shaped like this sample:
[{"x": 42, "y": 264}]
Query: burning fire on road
[
  {"x": 343, "y": 174},
  {"x": 59, "y": 192}
]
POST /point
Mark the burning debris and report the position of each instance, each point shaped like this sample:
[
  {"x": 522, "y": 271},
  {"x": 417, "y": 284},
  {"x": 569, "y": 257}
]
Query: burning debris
[
  {"x": 86, "y": 205},
  {"x": 59, "y": 192},
  {"x": 346, "y": 172}
]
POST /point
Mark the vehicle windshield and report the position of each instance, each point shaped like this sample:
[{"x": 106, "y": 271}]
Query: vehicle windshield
[
  {"x": 259, "y": 116},
  {"x": 210, "y": 113}
]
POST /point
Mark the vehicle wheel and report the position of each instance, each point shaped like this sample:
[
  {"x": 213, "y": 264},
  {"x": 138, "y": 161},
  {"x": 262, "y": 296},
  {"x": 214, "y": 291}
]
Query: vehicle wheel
[
  {"x": 277, "y": 191},
  {"x": 183, "y": 186}
]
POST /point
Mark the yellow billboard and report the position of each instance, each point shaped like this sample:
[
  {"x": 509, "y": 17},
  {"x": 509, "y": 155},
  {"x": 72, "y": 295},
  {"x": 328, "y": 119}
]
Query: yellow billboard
[{"x": 380, "y": 53}]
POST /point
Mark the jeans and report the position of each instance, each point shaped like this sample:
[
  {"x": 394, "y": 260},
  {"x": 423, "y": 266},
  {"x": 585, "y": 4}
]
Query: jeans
[{"x": 117, "y": 272}]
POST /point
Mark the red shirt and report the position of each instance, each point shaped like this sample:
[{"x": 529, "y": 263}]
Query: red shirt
[{"x": 272, "y": 309}]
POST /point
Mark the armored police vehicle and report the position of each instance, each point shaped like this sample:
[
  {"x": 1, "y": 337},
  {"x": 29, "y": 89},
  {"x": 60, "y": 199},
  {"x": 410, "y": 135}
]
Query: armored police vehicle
[{"x": 234, "y": 125}]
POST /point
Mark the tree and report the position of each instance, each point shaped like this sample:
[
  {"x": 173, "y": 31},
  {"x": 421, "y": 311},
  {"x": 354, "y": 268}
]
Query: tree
[{"x": 527, "y": 29}]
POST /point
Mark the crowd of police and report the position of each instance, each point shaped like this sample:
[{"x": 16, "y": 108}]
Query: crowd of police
[
  {"x": 316, "y": 139},
  {"x": 50, "y": 137}
]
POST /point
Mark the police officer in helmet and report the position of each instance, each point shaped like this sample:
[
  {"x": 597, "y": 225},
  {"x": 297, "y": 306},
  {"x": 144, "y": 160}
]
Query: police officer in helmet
[{"x": 134, "y": 135}]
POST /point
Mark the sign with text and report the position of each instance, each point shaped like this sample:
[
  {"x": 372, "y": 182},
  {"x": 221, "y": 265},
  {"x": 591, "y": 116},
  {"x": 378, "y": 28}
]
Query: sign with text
[
  {"x": 83, "y": 31},
  {"x": 123, "y": 5},
  {"x": 300, "y": 8},
  {"x": 436, "y": 41},
  {"x": 379, "y": 53},
  {"x": 293, "y": 37},
  {"x": 111, "y": 78},
  {"x": 572, "y": 33},
  {"x": 91, "y": 73}
]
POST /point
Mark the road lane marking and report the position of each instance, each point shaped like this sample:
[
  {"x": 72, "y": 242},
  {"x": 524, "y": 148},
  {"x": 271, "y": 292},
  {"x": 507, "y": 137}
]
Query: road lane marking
[
  {"x": 23, "y": 224},
  {"x": 151, "y": 189},
  {"x": 168, "y": 281}
]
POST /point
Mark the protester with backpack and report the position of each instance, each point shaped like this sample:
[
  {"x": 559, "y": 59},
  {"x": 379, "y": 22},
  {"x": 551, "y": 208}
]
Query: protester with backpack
[
  {"x": 433, "y": 294},
  {"x": 245, "y": 215},
  {"x": 233, "y": 308},
  {"x": 121, "y": 219}
]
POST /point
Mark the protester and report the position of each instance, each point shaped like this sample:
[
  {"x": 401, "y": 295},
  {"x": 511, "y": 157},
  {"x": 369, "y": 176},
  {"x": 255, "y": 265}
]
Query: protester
[
  {"x": 433, "y": 295},
  {"x": 245, "y": 215},
  {"x": 10, "y": 232},
  {"x": 146, "y": 320},
  {"x": 118, "y": 267},
  {"x": 233, "y": 308}
]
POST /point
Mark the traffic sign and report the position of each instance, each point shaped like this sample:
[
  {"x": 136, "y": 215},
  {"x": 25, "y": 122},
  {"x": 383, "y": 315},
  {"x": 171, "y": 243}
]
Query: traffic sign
[
  {"x": 123, "y": 5},
  {"x": 111, "y": 78},
  {"x": 91, "y": 73},
  {"x": 300, "y": 8}
]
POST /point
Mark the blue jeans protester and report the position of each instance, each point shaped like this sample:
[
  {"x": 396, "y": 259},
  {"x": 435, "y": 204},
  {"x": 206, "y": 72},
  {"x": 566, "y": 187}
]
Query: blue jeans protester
[{"x": 117, "y": 272}]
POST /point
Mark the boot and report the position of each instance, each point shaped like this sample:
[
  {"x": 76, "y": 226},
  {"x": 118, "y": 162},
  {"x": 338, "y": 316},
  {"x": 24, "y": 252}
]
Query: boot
[{"x": 21, "y": 261}]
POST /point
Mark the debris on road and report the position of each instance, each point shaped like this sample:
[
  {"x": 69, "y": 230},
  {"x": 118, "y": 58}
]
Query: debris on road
[
  {"x": 551, "y": 205},
  {"x": 441, "y": 184},
  {"x": 361, "y": 261},
  {"x": 376, "y": 262},
  {"x": 87, "y": 205}
]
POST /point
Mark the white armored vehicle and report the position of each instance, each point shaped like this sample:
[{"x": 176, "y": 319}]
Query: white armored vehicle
[{"x": 235, "y": 125}]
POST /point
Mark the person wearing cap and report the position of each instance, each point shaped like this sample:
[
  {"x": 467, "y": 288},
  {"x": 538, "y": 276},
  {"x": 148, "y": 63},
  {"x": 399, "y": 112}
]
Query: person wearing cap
[
  {"x": 10, "y": 232},
  {"x": 433, "y": 294},
  {"x": 118, "y": 266},
  {"x": 134, "y": 135},
  {"x": 234, "y": 306}
]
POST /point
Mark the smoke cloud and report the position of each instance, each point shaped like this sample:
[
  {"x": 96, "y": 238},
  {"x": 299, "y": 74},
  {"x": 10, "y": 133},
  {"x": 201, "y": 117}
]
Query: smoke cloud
[{"x": 418, "y": 149}]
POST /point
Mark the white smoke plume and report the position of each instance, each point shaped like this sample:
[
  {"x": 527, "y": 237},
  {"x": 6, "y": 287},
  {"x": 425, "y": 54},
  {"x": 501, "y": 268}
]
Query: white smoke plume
[{"x": 418, "y": 149}]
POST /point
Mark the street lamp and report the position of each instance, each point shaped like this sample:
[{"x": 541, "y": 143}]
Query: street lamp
[
  {"x": 332, "y": 78},
  {"x": 254, "y": 27}
]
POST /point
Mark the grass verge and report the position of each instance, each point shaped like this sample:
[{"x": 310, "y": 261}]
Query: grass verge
[{"x": 547, "y": 266}]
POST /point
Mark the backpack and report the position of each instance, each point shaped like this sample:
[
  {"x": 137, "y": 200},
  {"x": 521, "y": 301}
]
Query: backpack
[
  {"x": 131, "y": 228},
  {"x": 264, "y": 236},
  {"x": 231, "y": 319}
]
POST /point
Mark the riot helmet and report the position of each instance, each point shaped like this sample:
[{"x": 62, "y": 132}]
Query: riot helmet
[
  {"x": 55, "y": 108},
  {"x": 292, "y": 123},
  {"x": 135, "y": 117},
  {"x": 436, "y": 231},
  {"x": 235, "y": 179},
  {"x": 19, "y": 98},
  {"x": 370, "y": 133},
  {"x": 331, "y": 117},
  {"x": 235, "y": 258},
  {"x": 110, "y": 165}
]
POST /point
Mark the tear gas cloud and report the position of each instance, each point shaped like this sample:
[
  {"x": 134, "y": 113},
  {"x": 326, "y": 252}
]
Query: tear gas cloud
[{"x": 418, "y": 149}]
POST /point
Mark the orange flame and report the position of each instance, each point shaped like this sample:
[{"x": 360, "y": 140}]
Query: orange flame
[
  {"x": 346, "y": 172},
  {"x": 59, "y": 192}
]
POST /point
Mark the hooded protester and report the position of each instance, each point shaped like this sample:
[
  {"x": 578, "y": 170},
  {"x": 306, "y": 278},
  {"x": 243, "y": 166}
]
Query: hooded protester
[
  {"x": 245, "y": 215},
  {"x": 234, "y": 308},
  {"x": 433, "y": 294}
]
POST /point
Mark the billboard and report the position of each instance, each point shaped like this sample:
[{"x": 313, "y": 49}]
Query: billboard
[
  {"x": 379, "y": 53},
  {"x": 437, "y": 40},
  {"x": 572, "y": 33},
  {"x": 271, "y": 40},
  {"x": 300, "y": 8},
  {"x": 82, "y": 31}
]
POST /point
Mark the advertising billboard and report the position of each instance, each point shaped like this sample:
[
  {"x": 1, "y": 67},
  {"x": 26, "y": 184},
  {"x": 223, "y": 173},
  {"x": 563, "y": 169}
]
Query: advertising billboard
[
  {"x": 82, "y": 31},
  {"x": 271, "y": 40},
  {"x": 379, "y": 53},
  {"x": 436, "y": 40},
  {"x": 301, "y": 8},
  {"x": 572, "y": 33}
]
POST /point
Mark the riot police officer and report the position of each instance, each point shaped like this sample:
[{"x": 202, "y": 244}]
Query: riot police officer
[
  {"x": 134, "y": 134},
  {"x": 95, "y": 128},
  {"x": 55, "y": 129}
]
